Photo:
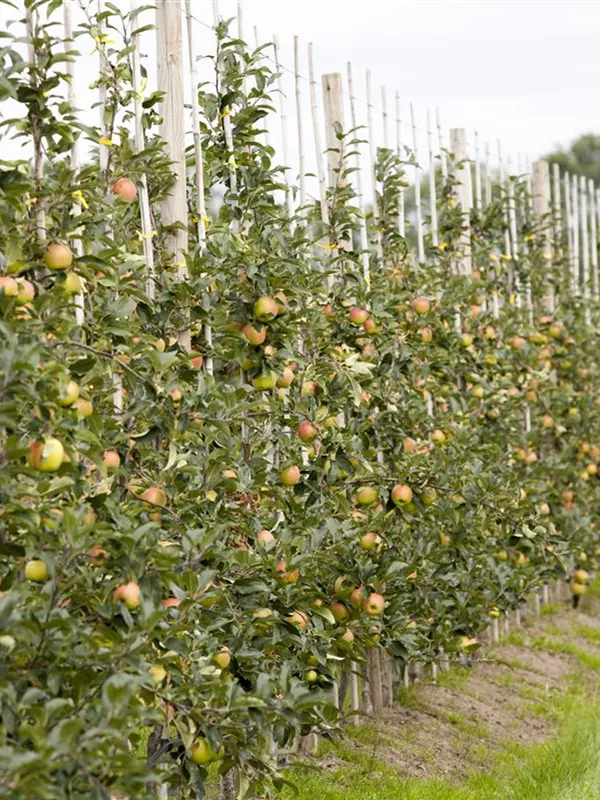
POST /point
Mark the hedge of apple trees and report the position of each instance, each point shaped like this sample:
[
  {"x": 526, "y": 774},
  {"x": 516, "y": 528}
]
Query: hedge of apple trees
[{"x": 184, "y": 581}]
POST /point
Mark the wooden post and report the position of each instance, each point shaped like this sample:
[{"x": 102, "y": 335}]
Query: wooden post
[
  {"x": 354, "y": 698},
  {"x": 373, "y": 157},
  {"x": 478, "y": 186},
  {"x": 418, "y": 209},
  {"x": 375, "y": 680},
  {"x": 541, "y": 207},
  {"x": 334, "y": 113},
  {"x": 169, "y": 46},
  {"x": 569, "y": 227},
  {"x": 458, "y": 146},
  {"x": 556, "y": 205}
]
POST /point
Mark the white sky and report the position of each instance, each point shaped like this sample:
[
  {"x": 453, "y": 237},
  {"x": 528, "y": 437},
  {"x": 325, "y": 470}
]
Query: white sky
[{"x": 522, "y": 71}]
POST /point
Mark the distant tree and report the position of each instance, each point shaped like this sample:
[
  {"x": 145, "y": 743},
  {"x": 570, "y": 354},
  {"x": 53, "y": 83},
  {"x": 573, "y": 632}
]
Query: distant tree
[{"x": 582, "y": 156}]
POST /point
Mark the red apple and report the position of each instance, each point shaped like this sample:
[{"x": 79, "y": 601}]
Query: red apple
[
  {"x": 306, "y": 431},
  {"x": 370, "y": 325},
  {"x": 290, "y": 476},
  {"x": 255, "y": 336},
  {"x": 154, "y": 496},
  {"x": 402, "y": 494},
  {"x": 358, "y": 316},
  {"x": 421, "y": 305},
  {"x": 374, "y": 604},
  {"x": 9, "y": 286},
  {"x": 368, "y": 540},
  {"x": 26, "y": 292},
  {"x": 111, "y": 459},
  {"x": 125, "y": 189},
  {"x": 58, "y": 256},
  {"x": 298, "y": 618},
  {"x": 264, "y": 537},
  {"x": 286, "y": 379},
  {"x": 266, "y": 309},
  {"x": 129, "y": 593},
  {"x": 340, "y": 612}
]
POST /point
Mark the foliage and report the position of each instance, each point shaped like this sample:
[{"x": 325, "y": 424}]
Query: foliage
[{"x": 102, "y": 698}]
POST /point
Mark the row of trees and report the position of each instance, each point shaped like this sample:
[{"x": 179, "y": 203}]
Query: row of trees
[{"x": 372, "y": 462}]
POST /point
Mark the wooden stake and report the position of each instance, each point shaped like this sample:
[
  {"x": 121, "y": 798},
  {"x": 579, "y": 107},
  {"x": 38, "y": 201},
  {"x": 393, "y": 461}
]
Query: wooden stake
[
  {"x": 334, "y": 114},
  {"x": 317, "y": 137},
  {"x": 301, "y": 169},
  {"x": 585, "y": 246},
  {"x": 375, "y": 680},
  {"x": 541, "y": 206},
  {"x": 575, "y": 227},
  {"x": 418, "y": 209},
  {"x": 354, "y": 699},
  {"x": 556, "y": 205},
  {"x": 170, "y": 82},
  {"x": 458, "y": 146},
  {"x": 569, "y": 226}
]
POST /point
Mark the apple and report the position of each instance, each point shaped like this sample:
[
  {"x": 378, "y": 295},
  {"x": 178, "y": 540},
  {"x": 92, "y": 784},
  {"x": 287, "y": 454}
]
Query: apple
[
  {"x": 402, "y": 494},
  {"x": 420, "y": 305},
  {"x": 286, "y": 379},
  {"x": 176, "y": 396},
  {"x": 255, "y": 336},
  {"x": 125, "y": 189},
  {"x": 444, "y": 539},
  {"x": 358, "y": 316},
  {"x": 592, "y": 469},
  {"x": 223, "y": 658},
  {"x": 556, "y": 330},
  {"x": 129, "y": 593},
  {"x": 306, "y": 431},
  {"x": 202, "y": 752},
  {"x": 409, "y": 445},
  {"x": 517, "y": 342},
  {"x": 428, "y": 496},
  {"x": 36, "y": 571},
  {"x": 70, "y": 394},
  {"x": 83, "y": 407},
  {"x": 170, "y": 602},
  {"x": 544, "y": 509},
  {"x": 467, "y": 641},
  {"x": 547, "y": 421},
  {"x": 357, "y": 597},
  {"x": 578, "y": 589},
  {"x": 309, "y": 389},
  {"x": 311, "y": 676},
  {"x": 264, "y": 537},
  {"x": 368, "y": 540},
  {"x": 340, "y": 612},
  {"x": 46, "y": 457},
  {"x": 370, "y": 326},
  {"x": 521, "y": 559},
  {"x": 494, "y": 612},
  {"x": 290, "y": 577},
  {"x": 348, "y": 636},
  {"x": 266, "y": 309},
  {"x": 72, "y": 284},
  {"x": 365, "y": 496},
  {"x": 581, "y": 576},
  {"x": 374, "y": 604},
  {"x": 502, "y": 555},
  {"x": 197, "y": 362},
  {"x": 26, "y": 292},
  {"x": 426, "y": 334},
  {"x": 466, "y": 340},
  {"x": 9, "y": 286},
  {"x": 265, "y": 381},
  {"x": 298, "y": 618},
  {"x": 111, "y": 459},
  {"x": 438, "y": 436},
  {"x": 58, "y": 256},
  {"x": 490, "y": 360},
  {"x": 290, "y": 476},
  {"x": 154, "y": 496},
  {"x": 490, "y": 332}
]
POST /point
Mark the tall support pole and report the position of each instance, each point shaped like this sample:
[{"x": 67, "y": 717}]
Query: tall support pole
[
  {"x": 478, "y": 187},
  {"x": 284, "y": 128},
  {"x": 487, "y": 180},
  {"x": 556, "y": 205},
  {"x": 443, "y": 157},
  {"x": 458, "y": 146},
  {"x": 593, "y": 238},
  {"x": 432, "y": 189},
  {"x": 169, "y": 43},
  {"x": 317, "y": 137},
  {"x": 541, "y": 206},
  {"x": 74, "y": 155},
  {"x": 401, "y": 213},
  {"x": 297, "y": 86},
  {"x": 569, "y": 225},
  {"x": 585, "y": 246},
  {"x": 364, "y": 239},
  {"x": 575, "y": 226},
  {"x": 373, "y": 158},
  {"x": 418, "y": 209},
  {"x": 334, "y": 115}
]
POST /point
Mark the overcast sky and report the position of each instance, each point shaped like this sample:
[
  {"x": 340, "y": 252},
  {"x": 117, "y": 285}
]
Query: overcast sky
[{"x": 522, "y": 71}]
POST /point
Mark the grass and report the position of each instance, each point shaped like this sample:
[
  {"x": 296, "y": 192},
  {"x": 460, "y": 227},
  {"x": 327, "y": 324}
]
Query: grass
[
  {"x": 567, "y": 768},
  {"x": 589, "y": 660}
]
